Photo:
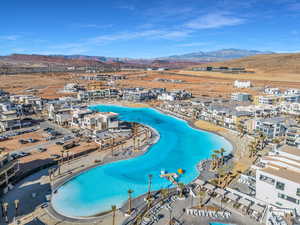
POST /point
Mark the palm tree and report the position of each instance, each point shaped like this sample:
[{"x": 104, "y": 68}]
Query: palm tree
[
  {"x": 164, "y": 193},
  {"x": 240, "y": 128},
  {"x": 113, "y": 209},
  {"x": 181, "y": 187},
  {"x": 221, "y": 173},
  {"x": 214, "y": 158},
  {"x": 222, "y": 151},
  {"x": 252, "y": 149},
  {"x": 129, "y": 200},
  {"x": 201, "y": 195},
  {"x": 217, "y": 152}
]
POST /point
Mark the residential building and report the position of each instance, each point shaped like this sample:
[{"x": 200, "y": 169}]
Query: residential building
[
  {"x": 271, "y": 127},
  {"x": 278, "y": 178},
  {"x": 272, "y": 91},
  {"x": 267, "y": 100},
  {"x": 292, "y": 91},
  {"x": 290, "y": 108},
  {"x": 97, "y": 94},
  {"x": 174, "y": 95},
  {"x": 241, "y": 97},
  {"x": 293, "y": 136},
  {"x": 291, "y": 98},
  {"x": 242, "y": 84},
  {"x": 100, "y": 121},
  {"x": 261, "y": 110}
]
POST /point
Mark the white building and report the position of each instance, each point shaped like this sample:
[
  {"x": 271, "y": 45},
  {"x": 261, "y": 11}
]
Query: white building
[
  {"x": 100, "y": 121},
  {"x": 271, "y": 127},
  {"x": 292, "y": 91},
  {"x": 278, "y": 178},
  {"x": 242, "y": 84},
  {"x": 290, "y": 108},
  {"x": 241, "y": 97},
  {"x": 272, "y": 91}
]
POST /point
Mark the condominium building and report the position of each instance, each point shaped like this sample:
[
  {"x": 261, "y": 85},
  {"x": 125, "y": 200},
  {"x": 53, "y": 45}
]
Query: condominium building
[
  {"x": 100, "y": 121},
  {"x": 271, "y": 127},
  {"x": 278, "y": 178},
  {"x": 293, "y": 136},
  {"x": 240, "y": 97},
  {"x": 272, "y": 91}
]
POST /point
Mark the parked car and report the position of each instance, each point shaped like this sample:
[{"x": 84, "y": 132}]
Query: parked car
[
  {"x": 67, "y": 138},
  {"x": 55, "y": 156},
  {"x": 60, "y": 143},
  {"x": 22, "y": 141},
  {"x": 42, "y": 149}
]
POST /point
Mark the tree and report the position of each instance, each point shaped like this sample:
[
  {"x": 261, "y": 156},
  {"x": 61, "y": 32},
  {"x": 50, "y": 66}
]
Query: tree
[
  {"x": 222, "y": 151},
  {"x": 240, "y": 129},
  {"x": 113, "y": 209},
  {"x": 214, "y": 158},
  {"x": 217, "y": 152},
  {"x": 181, "y": 187},
  {"x": 201, "y": 195},
  {"x": 164, "y": 193},
  {"x": 129, "y": 200}
]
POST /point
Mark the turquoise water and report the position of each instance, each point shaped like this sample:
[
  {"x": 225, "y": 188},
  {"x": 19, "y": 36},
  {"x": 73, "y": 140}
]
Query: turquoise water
[{"x": 180, "y": 146}]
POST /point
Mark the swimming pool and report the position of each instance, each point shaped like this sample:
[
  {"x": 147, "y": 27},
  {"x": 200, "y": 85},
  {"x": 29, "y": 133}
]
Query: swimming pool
[{"x": 179, "y": 146}]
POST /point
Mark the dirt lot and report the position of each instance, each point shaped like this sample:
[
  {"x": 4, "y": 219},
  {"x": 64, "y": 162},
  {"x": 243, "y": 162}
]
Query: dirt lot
[
  {"x": 199, "y": 83},
  {"x": 13, "y": 143}
]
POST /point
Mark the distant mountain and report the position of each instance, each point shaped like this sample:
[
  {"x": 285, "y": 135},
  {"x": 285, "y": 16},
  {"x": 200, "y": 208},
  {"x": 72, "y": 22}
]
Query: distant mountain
[{"x": 216, "y": 56}]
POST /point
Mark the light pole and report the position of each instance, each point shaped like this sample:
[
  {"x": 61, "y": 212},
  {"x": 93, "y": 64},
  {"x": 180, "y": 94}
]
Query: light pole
[
  {"x": 5, "y": 209},
  {"x": 17, "y": 204},
  {"x": 149, "y": 185}
]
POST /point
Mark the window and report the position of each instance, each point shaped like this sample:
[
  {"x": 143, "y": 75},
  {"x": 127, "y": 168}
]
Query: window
[
  {"x": 267, "y": 179},
  {"x": 298, "y": 192},
  {"x": 280, "y": 185},
  {"x": 288, "y": 198}
]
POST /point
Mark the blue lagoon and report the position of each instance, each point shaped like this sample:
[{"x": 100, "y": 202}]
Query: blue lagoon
[{"x": 179, "y": 146}]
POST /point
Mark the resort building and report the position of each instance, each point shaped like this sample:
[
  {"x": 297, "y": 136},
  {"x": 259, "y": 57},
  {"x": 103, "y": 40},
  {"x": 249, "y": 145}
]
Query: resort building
[
  {"x": 240, "y": 97},
  {"x": 8, "y": 168},
  {"x": 97, "y": 94},
  {"x": 293, "y": 136},
  {"x": 174, "y": 95},
  {"x": 271, "y": 127},
  {"x": 100, "y": 121},
  {"x": 272, "y": 91},
  {"x": 292, "y": 91},
  {"x": 267, "y": 100},
  {"x": 261, "y": 110},
  {"x": 290, "y": 108},
  {"x": 242, "y": 84},
  {"x": 277, "y": 178},
  {"x": 291, "y": 98}
]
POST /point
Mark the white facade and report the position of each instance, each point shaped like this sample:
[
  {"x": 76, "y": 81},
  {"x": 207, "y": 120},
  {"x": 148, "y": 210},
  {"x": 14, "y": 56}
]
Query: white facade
[
  {"x": 242, "y": 84},
  {"x": 272, "y": 91},
  {"x": 292, "y": 91},
  {"x": 290, "y": 108},
  {"x": 278, "y": 180}
]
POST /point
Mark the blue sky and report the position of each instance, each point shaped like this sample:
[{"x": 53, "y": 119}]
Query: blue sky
[{"x": 152, "y": 28}]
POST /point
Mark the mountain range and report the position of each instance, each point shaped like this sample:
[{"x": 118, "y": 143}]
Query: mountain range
[{"x": 200, "y": 56}]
